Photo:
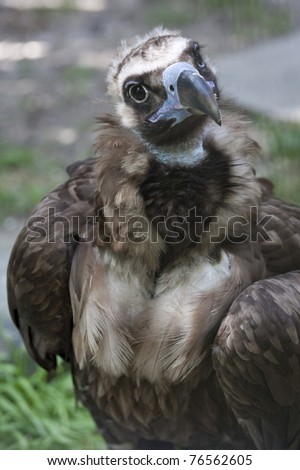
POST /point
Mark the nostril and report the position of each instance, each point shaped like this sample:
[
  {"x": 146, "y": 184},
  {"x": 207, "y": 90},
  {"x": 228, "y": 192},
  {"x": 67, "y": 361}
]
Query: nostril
[{"x": 171, "y": 88}]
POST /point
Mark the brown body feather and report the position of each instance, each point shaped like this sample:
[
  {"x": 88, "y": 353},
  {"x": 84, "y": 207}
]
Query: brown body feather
[
  {"x": 256, "y": 357},
  {"x": 150, "y": 278}
]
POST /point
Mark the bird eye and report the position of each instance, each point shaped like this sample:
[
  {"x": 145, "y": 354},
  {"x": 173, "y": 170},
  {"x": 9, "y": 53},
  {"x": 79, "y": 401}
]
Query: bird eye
[{"x": 138, "y": 93}]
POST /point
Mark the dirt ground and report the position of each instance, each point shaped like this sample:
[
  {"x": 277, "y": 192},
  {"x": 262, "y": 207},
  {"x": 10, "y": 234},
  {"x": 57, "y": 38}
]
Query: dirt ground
[{"x": 53, "y": 61}]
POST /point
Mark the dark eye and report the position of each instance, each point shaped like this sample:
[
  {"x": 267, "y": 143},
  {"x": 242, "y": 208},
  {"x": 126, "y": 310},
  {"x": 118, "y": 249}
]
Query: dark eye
[{"x": 138, "y": 93}]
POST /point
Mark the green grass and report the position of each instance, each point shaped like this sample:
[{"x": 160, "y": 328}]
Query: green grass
[
  {"x": 247, "y": 20},
  {"x": 37, "y": 414},
  {"x": 250, "y": 20},
  {"x": 171, "y": 15},
  {"x": 78, "y": 78},
  {"x": 25, "y": 178},
  {"x": 282, "y": 151},
  {"x": 78, "y": 73},
  {"x": 67, "y": 6},
  {"x": 283, "y": 138}
]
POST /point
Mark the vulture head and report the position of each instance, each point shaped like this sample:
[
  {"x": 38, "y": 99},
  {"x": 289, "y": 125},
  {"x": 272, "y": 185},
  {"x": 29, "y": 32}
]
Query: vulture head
[
  {"x": 167, "y": 103},
  {"x": 163, "y": 88}
]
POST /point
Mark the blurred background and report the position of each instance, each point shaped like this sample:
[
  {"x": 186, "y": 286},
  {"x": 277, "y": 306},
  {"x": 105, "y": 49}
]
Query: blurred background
[{"x": 53, "y": 59}]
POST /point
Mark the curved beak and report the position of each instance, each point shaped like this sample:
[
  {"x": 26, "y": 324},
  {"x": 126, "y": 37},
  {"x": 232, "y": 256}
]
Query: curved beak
[{"x": 188, "y": 94}]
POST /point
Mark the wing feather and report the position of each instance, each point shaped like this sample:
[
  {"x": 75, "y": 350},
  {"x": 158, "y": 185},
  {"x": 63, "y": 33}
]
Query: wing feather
[
  {"x": 282, "y": 248},
  {"x": 39, "y": 267},
  {"x": 262, "y": 385}
]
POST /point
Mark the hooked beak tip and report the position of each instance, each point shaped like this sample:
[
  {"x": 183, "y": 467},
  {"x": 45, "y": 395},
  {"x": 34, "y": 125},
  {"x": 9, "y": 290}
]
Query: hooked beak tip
[
  {"x": 196, "y": 95},
  {"x": 217, "y": 118},
  {"x": 188, "y": 93}
]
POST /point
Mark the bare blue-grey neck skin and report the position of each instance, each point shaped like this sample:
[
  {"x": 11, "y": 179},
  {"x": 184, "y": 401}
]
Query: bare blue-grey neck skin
[{"x": 181, "y": 155}]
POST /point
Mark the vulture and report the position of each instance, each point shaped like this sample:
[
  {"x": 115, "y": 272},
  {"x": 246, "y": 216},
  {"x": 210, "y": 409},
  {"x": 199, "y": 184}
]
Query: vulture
[{"x": 164, "y": 271}]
